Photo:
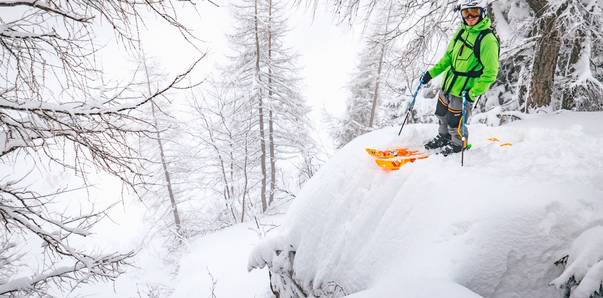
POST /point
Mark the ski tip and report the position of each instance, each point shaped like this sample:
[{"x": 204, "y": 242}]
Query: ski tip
[{"x": 496, "y": 140}]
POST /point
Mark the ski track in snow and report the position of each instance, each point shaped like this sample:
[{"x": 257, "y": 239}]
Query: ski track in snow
[{"x": 492, "y": 228}]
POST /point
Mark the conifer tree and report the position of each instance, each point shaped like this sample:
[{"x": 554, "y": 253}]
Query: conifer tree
[{"x": 265, "y": 117}]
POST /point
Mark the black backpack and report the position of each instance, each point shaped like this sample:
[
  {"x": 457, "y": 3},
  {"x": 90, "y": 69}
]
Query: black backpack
[{"x": 478, "y": 42}]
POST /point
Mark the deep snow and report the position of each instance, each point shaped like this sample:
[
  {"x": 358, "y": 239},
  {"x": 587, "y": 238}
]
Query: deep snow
[
  {"x": 492, "y": 228},
  {"x": 215, "y": 262},
  {"x": 220, "y": 258}
]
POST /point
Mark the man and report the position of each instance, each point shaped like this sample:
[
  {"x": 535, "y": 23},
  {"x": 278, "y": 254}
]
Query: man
[{"x": 471, "y": 65}]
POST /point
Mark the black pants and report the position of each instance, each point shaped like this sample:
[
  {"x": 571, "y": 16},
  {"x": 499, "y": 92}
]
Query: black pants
[{"x": 449, "y": 111}]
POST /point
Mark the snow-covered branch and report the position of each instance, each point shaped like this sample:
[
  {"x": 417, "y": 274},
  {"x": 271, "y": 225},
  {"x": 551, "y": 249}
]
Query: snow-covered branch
[
  {"x": 107, "y": 267},
  {"x": 90, "y": 109},
  {"x": 57, "y": 108},
  {"x": 24, "y": 210},
  {"x": 89, "y": 124},
  {"x": 48, "y": 6}
]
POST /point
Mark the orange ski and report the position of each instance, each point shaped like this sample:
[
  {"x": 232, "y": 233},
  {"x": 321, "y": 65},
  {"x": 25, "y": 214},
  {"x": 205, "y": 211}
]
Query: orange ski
[
  {"x": 394, "y": 164},
  {"x": 496, "y": 140},
  {"x": 394, "y": 159},
  {"x": 390, "y": 153}
]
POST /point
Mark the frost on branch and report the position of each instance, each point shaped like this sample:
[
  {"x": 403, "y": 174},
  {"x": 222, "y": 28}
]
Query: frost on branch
[
  {"x": 24, "y": 212},
  {"x": 58, "y": 111},
  {"x": 106, "y": 267},
  {"x": 583, "y": 274}
]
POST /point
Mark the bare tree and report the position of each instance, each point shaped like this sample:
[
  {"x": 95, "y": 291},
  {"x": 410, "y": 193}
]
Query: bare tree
[
  {"x": 224, "y": 128},
  {"x": 164, "y": 157},
  {"x": 56, "y": 108}
]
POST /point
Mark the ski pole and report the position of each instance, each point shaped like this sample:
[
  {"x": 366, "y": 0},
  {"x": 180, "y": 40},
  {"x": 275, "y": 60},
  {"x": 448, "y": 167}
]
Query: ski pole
[
  {"x": 410, "y": 106},
  {"x": 464, "y": 127}
]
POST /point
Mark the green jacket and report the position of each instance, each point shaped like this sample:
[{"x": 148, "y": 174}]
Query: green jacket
[{"x": 462, "y": 59}]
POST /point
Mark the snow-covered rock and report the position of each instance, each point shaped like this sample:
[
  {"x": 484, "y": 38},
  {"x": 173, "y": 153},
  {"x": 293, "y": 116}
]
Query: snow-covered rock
[
  {"x": 584, "y": 265},
  {"x": 493, "y": 228}
]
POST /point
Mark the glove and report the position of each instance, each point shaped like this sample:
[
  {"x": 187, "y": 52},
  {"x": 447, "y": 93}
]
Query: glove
[
  {"x": 425, "y": 78},
  {"x": 469, "y": 98},
  {"x": 466, "y": 96}
]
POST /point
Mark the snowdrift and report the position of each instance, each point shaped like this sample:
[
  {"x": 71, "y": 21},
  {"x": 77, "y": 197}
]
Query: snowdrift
[{"x": 520, "y": 221}]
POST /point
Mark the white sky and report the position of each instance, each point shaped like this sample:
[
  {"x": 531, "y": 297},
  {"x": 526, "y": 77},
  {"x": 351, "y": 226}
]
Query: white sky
[{"x": 327, "y": 53}]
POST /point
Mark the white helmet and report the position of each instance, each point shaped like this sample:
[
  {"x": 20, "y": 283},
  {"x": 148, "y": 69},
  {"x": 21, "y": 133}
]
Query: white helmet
[{"x": 466, "y": 4}]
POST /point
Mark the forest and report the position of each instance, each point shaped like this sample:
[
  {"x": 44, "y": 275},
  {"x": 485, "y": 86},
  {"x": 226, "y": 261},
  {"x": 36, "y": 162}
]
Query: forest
[{"x": 203, "y": 149}]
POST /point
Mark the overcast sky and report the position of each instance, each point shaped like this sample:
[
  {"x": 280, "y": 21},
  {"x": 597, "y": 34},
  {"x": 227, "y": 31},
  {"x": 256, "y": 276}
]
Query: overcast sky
[{"x": 327, "y": 52}]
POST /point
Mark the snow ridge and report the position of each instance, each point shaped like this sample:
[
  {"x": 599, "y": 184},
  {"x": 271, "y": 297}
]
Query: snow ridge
[{"x": 494, "y": 228}]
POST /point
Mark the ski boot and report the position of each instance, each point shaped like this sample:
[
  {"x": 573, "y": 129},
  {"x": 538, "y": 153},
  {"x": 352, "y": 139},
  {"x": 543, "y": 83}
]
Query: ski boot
[
  {"x": 438, "y": 142},
  {"x": 451, "y": 148}
]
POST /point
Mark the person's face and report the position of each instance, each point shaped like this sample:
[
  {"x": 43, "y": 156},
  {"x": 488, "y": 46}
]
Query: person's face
[{"x": 471, "y": 15}]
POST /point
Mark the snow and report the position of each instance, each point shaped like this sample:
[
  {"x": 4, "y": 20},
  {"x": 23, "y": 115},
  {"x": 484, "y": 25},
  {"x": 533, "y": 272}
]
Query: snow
[
  {"x": 493, "y": 228},
  {"x": 414, "y": 287},
  {"x": 221, "y": 257},
  {"x": 190, "y": 271},
  {"x": 590, "y": 283},
  {"x": 585, "y": 263}
]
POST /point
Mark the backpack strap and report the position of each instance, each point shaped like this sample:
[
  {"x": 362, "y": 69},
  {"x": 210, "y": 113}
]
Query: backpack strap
[
  {"x": 473, "y": 73},
  {"x": 478, "y": 44},
  {"x": 459, "y": 36}
]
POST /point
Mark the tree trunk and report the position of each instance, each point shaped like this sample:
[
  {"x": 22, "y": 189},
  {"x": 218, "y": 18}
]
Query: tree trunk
[
  {"x": 246, "y": 160},
  {"x": 270, "y": 119},
  {"x": 260, "y": 111},
  {"x": 380, "y": 67},
  {"x": 545, "y": 64},
  {"x": 377, "y": 82},
  {"x": 546, "y": 55},
  {"x": 166, "y": 173}
]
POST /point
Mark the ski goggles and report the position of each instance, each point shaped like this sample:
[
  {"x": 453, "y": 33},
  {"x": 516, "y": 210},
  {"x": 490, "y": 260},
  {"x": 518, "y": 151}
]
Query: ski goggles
[{"x": 471, "y": 13}]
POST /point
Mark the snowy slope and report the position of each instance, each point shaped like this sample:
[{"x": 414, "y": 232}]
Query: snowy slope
[
  {"x": 493, "y": 228},
  {"x": 216, "y": 263}
]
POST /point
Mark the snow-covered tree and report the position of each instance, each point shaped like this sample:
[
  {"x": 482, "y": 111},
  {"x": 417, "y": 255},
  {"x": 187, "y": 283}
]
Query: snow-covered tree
[
  {"x": 166, "y": 179},
  {"x": 288, "y": 122},
  {"x": 264, "y": 73},
  {"x": 58, "y": 111},
  {"x": 362, "y": 90},
  {"x": 223, "y": 127},
  {"x": 549, "y": 55},
  {"x": 550, "y": 59},
  {"x": 389, "y": 64}
]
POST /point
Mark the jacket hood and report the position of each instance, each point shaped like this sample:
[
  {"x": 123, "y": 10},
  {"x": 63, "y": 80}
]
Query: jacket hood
[{"x": 484, "y": 24}]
